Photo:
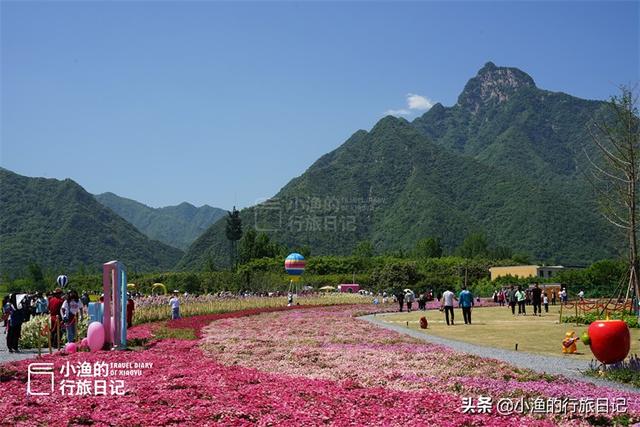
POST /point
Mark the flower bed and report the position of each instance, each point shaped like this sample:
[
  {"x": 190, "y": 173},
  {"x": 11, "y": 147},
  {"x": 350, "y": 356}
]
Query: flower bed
[
  {"x": 32, "y": 335},
  {"x": 186, "y": 388},
  {"x": 147, "y": 331},
  {"x": 291, "y": 367},
  {"x": 156, "y": 308},
  {"x": 330, "y": 344}
]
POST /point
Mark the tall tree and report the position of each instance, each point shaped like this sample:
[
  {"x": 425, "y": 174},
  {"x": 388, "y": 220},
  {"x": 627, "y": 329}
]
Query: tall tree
[
  {"x": 36, "y": 276},
  {"x": 265, "y": 248},
  {"x": 364, "y": 249},
  {"x": 474, "y": 246},
  {"x": 615, "y": 172},
  {"x": 247, "y": 247},
  {"x": 303, "y": 250},
  {"x": 257, "y": 245},
  {"x": 501, "y": 252},
  {"x": 395, "y": 276},
  {"x": 428, "y": 248},
  {"x": 233, "y": 231}
]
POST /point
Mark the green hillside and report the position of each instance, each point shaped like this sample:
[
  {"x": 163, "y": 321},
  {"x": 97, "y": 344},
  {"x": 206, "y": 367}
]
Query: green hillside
[
  {"x": 502, "y": 119},
  {"x": 57, "y": 224},
  {"x": 177, "y": 226},
  {"x": 394, "y": 186}
]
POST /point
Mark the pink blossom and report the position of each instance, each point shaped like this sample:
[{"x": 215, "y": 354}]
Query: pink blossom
[{"x": 291, "y": 367}]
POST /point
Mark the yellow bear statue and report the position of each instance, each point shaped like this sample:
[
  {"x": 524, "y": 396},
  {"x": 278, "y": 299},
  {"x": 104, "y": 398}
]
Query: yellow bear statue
[{"x": 569, "y": 343}]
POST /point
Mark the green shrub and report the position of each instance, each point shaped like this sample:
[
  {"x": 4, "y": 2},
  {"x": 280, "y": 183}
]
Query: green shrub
[{"x": 588, "y": 318}]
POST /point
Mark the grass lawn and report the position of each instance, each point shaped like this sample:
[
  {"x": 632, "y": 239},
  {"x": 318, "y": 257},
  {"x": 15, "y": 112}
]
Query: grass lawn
[{"x": 497, "y": 327}]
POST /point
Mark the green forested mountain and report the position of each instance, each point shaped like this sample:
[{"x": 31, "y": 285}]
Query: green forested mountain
[
  {"x": 57, "y": 224},
  {"x": 177, "y": 226},
  {"x": 502, "y": 119},
  {"x": 503, "y": 161}
]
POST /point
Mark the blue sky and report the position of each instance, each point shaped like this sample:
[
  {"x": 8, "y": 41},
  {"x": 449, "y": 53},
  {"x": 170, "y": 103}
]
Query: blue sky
[{"x": 223, "y": 103}]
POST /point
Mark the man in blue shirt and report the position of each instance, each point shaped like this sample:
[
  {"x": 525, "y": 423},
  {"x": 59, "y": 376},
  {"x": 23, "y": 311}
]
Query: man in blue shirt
[{"x": 465, "y": 301}]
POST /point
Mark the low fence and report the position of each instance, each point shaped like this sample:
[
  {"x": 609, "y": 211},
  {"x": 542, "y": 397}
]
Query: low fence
[{"x": 597, "y": 306}]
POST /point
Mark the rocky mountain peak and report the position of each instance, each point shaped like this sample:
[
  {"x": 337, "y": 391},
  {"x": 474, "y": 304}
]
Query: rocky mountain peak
[{"x": 493, "y": 84}]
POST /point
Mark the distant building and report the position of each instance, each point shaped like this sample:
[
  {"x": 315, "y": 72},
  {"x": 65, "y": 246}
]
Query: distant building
[
  {"x": 523, "y": 271},
  {"x": 350, "y": 288}
]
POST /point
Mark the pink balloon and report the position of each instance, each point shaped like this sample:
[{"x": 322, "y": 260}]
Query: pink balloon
[
  {"x": 95, "y": 336},
  {"x": 84, "y": 343},
  {"x": 70, "y": 347}
]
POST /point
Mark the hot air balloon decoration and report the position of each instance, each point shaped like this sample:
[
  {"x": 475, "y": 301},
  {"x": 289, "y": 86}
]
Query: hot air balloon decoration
[
  {"x": 294, "y": 265},
  {"x": 62, "y": 280}
]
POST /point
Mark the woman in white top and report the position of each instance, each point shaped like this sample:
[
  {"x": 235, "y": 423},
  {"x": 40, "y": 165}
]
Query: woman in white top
[{"x": 69, "y": 311}]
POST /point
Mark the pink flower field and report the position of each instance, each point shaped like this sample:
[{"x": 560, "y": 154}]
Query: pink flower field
[{"x": 293, "y": 367}]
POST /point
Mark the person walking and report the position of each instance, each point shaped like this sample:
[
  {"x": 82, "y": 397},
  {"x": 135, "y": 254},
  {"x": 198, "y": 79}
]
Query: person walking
[
  {"x": 84, "y": 304},
  {"x": 5, "y": 315},
  {"x": 521, "y": 298},
  {"x": 512, "y": 299},
  {"x": 447, "y": 304},
  {"x": 55, "y": 304},
  {"x": 581, "y": 295},
  {"x": 130, "y": 309},
  {"x": 175, "y": 306},
  {"x": 409, "y": 297},
  {"x": 42, "y": 305},
  {"x": 422, "y": 301},
  {"x": 501, "y": 297},
  {"x": 400, "y": 298},
  {"x": 16, "y": 318},
  {"x": 84, "y": 299},
  {"x": 545, "y": 301},
  {"x": 536, "y": 299},
  {"x": 69, "y": 312},
  {"x": 7, "y": 310},
  {"x": 465, "y": 301}
]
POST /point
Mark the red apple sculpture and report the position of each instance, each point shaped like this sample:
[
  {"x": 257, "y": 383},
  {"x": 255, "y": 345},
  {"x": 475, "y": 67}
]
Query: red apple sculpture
[{"x": 610, "y": 340}]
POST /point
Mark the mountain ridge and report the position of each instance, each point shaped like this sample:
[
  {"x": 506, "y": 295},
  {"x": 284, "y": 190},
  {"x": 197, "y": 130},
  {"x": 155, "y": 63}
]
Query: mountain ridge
[
  {"x": 510, "y": 168},
  {"x": 177, "y": 225},
  {"x": 58, "y": 224}
]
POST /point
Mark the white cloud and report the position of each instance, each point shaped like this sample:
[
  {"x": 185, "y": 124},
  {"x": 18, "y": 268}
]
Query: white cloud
[
  {"x": 418, "y": 102},
  {"x": 401, "y": 112},
  {"x": 415, "y": 103}
]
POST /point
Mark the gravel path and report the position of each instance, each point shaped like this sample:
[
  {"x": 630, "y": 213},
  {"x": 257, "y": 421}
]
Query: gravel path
[
  {"x": 569, "y": 368},
  {"x": 5, "y": 356}
]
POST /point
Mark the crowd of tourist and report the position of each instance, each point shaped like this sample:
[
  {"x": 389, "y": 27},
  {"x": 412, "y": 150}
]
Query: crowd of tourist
[
  {"x": 64, "y": 308},
  {"x": 511, "y": 296},
  {"x": 532, "y": 296}
]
